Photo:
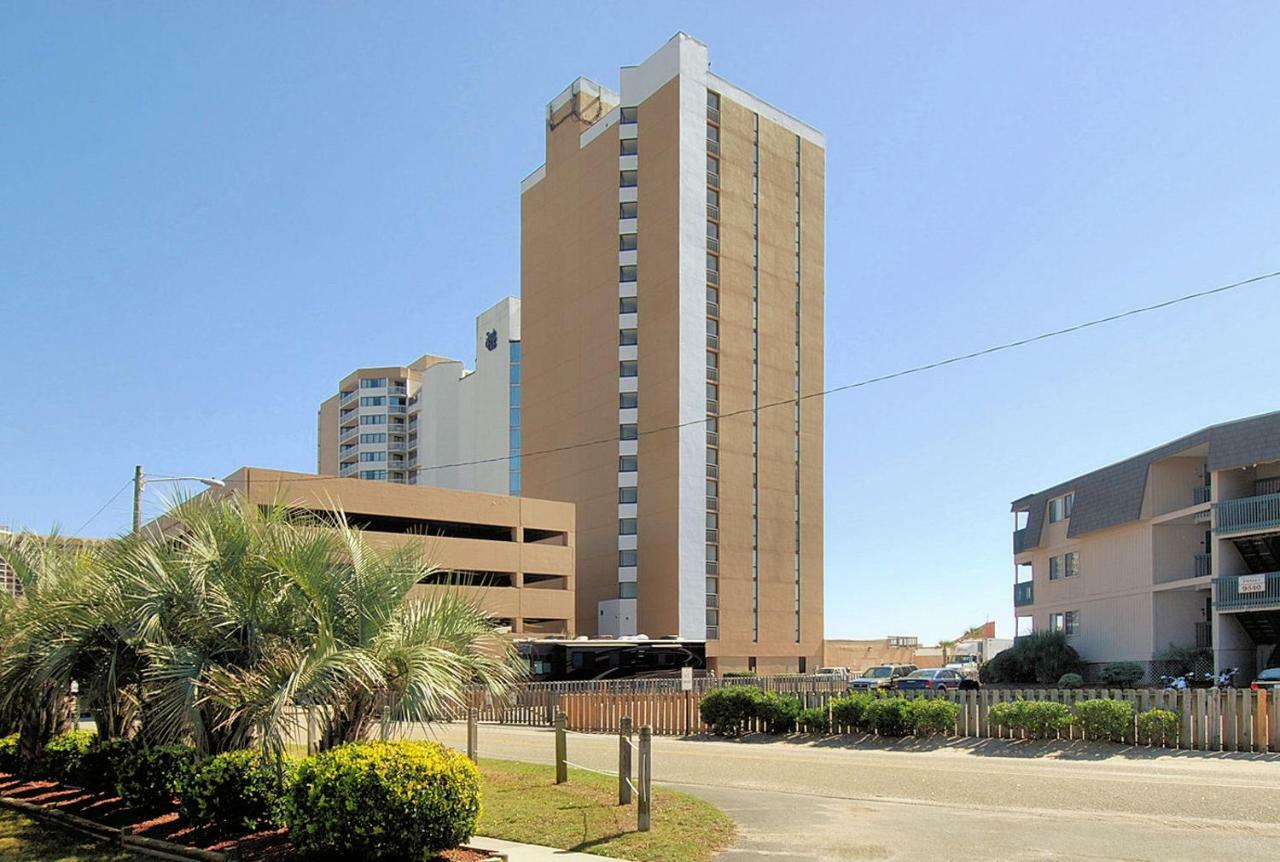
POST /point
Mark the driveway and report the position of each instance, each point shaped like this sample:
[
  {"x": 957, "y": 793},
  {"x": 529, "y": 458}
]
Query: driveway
[{"x": 983, "y": 799}]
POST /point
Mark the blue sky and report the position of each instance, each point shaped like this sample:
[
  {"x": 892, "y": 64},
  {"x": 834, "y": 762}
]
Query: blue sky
[{"x": 210, "y": 212}]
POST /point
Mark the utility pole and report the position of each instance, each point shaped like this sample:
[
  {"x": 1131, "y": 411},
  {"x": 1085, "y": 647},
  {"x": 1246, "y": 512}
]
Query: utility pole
[{"x": 137, "y": 498}]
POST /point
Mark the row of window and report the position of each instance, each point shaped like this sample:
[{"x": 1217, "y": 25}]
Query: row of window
[
  {"x": 712, "y": 377},
  {"x": 513, "y": 420},
  {"x": 1067, "y": 622},
  {"x": 1060, "y": 507},
  {"x": 628, "y": 241},
  {"x": 1065, "y": 566}
]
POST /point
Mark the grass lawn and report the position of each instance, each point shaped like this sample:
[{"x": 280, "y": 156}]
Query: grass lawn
[
  {"x": 522, "y": 802},
  {"x": 31, "y": 841}
]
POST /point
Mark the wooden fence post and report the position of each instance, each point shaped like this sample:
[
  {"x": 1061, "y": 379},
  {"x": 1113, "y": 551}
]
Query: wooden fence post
[
  {"x": 473, "y": 733},
  {"x": 646, "y": 779},
  {"x": 562, "y": 753},
  {"x": 624, "y": 760}
]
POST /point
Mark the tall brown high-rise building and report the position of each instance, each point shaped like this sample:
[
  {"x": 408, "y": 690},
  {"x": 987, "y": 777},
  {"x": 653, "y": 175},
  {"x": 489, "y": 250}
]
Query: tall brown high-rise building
[{"x": 672, "y": 291}]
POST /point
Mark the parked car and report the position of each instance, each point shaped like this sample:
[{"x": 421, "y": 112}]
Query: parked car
[
  {"x": 1268, "y": 680},
  {"x": 932, "y": 678},
  {"x": 834, "y": 672},
  {"x": 966, "y": 666},
  {"x": 881, "y": 676}
]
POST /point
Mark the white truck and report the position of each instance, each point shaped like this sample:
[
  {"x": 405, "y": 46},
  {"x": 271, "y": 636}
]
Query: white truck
[{"x": 969, "y": 655}]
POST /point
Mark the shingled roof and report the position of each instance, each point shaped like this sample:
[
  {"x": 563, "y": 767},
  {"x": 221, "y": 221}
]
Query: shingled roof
[{"x": 1113, "y": 494}]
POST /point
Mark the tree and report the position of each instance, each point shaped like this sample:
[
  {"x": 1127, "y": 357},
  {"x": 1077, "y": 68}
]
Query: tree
[
  {"x": 947, "y": 646},
  {"x": 35, "y": 694}
]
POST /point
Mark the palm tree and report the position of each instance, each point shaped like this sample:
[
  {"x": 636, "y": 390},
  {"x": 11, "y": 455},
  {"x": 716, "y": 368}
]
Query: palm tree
[
  {"x": 35, "y": 693},
  {"x": 946, "y": 646},
  {"x": 381, "y": 651}
]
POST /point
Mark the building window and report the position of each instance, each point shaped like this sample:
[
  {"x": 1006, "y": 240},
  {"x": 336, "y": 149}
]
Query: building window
[
  {"x": 373, "y": 382},
  {"x": 628, "y": 368},
  {"x": 713, "y": 133},
  {"x": 1071, "y": 564},
  {"x": 713, "y": 101},
  {"x": 627, "y": 494},
  {"x": 373, "y": 401},
  {"x": 373, "y": 456},
  {"x": 713, "y": 617},
  {"x": 713, "y": 198},
  {"x": 373, "y": 438},
  {"x": 628, "y": 400},
  {"x": 626, "y": 526},
  {"x": 713, "y": 230},
  {"x": 1071, "y": 623},
  {"x": 627, "y": 463},
  {"x": 627, "y": 590},
  {"x": 628, "y": 179},
  {"x": 713, "y": 553},
  {"x": 1055, "y": 622},
  {"x": 628, "y": 431},
  {"x": 627, "y": 273},
  {"x": 628, "y": 115},
  {"x": 378, "y": 475},
  {"x": 713, "y": 488},
  {"x": 627, "y": 242},
  {"x": 628, "y": 146},
  {"x": 1060, "y": 507},
  {"x": 627, "y": 305},
  {"x": 377, "y": 419},
  {"x": 1055, "y": 568},
  {"x": 713, "y": 263},
  {"x": 713, "y": 326},
  {"x": 628, "y": 209},
  {"x": 627, "y": 558},
  {"x": 627, "y": 337},
  {"x": 713, "y": 165}
]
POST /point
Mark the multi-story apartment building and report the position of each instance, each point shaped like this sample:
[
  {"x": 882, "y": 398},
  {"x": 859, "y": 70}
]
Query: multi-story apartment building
[
  {"x": 513, "y": 557},
  {"x": 433, "y": 422},
  {"x": 672, "y": 289},
  {"x": 1179, "y": 545}
]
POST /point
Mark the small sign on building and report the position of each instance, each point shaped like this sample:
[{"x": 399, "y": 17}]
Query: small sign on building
[
  {"x": 1251, "y": 584},
  {"x": 686, "y": 679}
]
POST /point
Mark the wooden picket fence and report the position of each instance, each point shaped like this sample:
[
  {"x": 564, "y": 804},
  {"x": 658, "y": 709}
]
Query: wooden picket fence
[{"x": 1238, "y": 720}]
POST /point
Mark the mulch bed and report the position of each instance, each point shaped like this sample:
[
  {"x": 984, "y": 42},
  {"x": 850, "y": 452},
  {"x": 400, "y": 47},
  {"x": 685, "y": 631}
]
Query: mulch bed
[{"x": 268, "y": 845}]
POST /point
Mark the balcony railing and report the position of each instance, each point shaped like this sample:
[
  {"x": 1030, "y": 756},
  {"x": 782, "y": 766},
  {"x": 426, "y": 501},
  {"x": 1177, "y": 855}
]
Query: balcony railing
[
  {"x": 1020, "y": 541},
  {"x": 347, "y": 398},
  {"x": 1024, "y": 594},
  {"x": 1267, "y": 486},
  {"x": 1204, "y": 565},
  {"x": 1247, "y": 592},
  {"x": 1247, "y": 514},
  {"x": 1204, "y": 635},
  {"x": 1200, "y": 495}
]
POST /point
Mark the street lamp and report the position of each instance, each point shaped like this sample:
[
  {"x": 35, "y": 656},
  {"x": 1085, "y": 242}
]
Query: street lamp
[{"x": 140, "y": 482}]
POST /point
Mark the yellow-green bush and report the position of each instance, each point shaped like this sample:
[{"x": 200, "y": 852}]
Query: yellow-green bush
[
  {"x": 383, "y": 800},
  {"x": 237, "y": 791},
  {"x": 1039, "y": 719},
  {"x": 1104, "y": 719},
  {"x": 932, "y": 715},
  {"x": 148, "y": 778},
  {"x": 9, "y": 754},
  {"x": 65, "y": 756},
  {"x": 1158, "y": 726}
]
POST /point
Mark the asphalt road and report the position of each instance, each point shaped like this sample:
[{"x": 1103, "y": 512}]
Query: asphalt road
[{"x": 984, "y": 799}]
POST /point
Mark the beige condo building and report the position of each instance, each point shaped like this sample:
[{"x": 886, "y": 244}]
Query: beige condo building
[
  {"x": 672, "y": 291},
  {"x": 433, "y": 421},
  {"x": 1177, "y": 546}
]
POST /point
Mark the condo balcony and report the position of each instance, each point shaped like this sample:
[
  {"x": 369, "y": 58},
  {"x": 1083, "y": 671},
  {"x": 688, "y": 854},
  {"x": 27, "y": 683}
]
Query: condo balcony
[
  {"x": 1024, "y": 594},
  {"x": 1247, "y": 515},
  {"x": 1247, "y": 592},
  {"x": 1020, "y": 540}
]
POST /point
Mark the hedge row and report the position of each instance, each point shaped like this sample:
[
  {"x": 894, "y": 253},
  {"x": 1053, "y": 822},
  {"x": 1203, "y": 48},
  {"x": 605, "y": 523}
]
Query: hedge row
[
  {"x": 1097, "y": 719},
  {"x": 368, "y": 800},
  {"x": 733, "y": 710}
]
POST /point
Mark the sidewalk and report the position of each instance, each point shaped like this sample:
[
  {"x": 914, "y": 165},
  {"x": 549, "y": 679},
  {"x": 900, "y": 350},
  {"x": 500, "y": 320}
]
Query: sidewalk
[{"x": 533, "y": 852}]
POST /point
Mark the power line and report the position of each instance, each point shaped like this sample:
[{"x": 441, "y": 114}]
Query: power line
[
  {"x": 94, "y": 516},
  {"x": 882, "y": 378}
]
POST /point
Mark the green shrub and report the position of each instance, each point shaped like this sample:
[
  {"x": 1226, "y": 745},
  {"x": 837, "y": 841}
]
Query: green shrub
[
  {"x": 1122, "y": 673},
  {"x": 932, "y": 715},
  {"x": 1038, "y": 719},
  {"x": 238, "y": 791},
  {"x": 99, "y": 766},
  {"x": 1158, "y": 726},
  {"x": 815, "y": 720},
  {"x": 729, "y": 711},
  {"x": 64, "y": 757},
  {"x": 1070, "y": 680},
  {"x": 148, "y": 778},
  {"x": 740, "y": 674},
  {"x": 383, "y": 800},
  {"x": 847, "y": 711},
  {"x": 887, "y": 716},
  {"x": 1182, "y": 660},
  {"x": 777, "y": 712},
  {"x": 1104, "y": 719},
  {"x": 1040, "y": 657},
  {"x": 9, "y": 754}
]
